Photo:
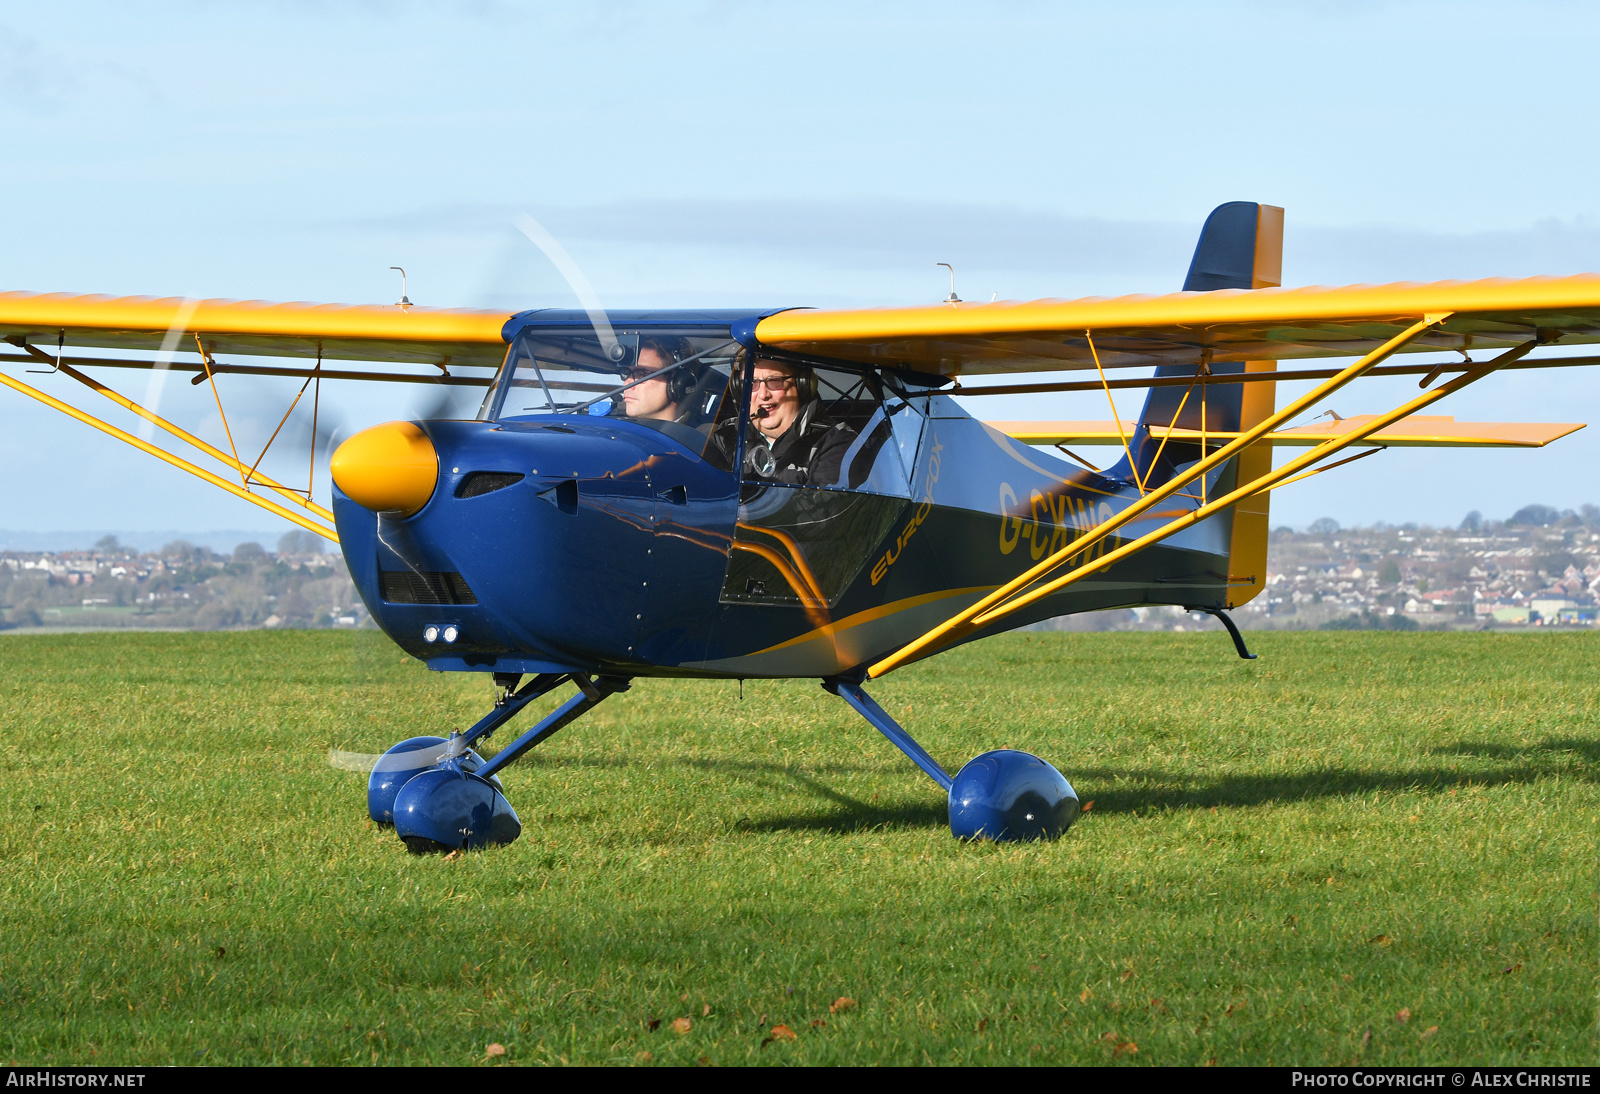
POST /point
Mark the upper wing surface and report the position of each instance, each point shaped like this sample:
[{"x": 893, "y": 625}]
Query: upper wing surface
[
  {"x": 362, "y": 332},
  {"x": 1177, "y": 329}
]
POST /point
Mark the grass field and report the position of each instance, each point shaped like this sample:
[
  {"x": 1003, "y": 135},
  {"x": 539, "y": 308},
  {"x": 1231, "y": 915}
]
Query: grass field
[{"x": 1362, "y": 847}]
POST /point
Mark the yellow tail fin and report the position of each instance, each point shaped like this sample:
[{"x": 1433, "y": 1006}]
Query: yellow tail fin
[{"x": 1247, "y": 551}]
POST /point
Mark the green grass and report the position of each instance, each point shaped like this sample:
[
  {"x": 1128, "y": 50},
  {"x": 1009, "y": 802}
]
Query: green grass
[{"x": 1282, "y": 857}]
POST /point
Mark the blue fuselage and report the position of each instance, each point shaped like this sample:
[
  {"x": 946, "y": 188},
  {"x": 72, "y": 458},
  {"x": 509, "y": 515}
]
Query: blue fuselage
[{"x": 561, "y": 542}]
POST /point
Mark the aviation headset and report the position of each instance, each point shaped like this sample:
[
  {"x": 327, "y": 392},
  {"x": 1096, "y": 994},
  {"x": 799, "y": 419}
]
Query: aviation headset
[{"x": 680, "y": 381}]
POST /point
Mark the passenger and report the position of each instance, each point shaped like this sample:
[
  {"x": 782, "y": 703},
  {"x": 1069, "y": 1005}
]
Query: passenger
[
  {"x": 789, "y": 442},
  {"x": 667, "y": 397}
]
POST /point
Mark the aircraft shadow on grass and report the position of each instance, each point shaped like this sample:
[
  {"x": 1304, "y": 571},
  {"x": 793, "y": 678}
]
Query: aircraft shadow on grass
[
  {"x": 1149, "y": 790},
  {"x": 1588, "y": 749}
]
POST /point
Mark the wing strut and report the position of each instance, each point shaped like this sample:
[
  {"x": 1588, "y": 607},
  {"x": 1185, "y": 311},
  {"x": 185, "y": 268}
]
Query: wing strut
[
  {"x": 978, "y": 614},
  {"x": 176, "y": 461},
  {"x": 1010, "y": 598},
  {"x": 183, "y": 435}
]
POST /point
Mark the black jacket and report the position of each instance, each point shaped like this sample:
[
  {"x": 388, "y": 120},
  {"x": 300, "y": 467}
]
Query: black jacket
[{"x": 808, "y": 453}]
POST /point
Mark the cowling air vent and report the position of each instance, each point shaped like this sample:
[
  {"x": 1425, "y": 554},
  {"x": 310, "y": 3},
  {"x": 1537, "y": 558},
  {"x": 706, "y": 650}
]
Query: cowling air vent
[
  {"x": 424, "y": 587},
  {"x": 486, "y": 482}
]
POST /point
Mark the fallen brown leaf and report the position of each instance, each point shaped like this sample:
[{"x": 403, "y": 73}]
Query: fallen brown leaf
[
  {"x": 643, "y": 1057},
  {"x": 1512, "y": 968},
  {"x": 1124, "y": 1047},
  {"x": 1403, "y": 1015},
  {"x": 1112, "y": 1037},
  {"x": 841, "y": 1004},
  {"x": 763, "y": 1020},
  {"x": 453, "y": 855},
  {"x": 983, "y": 1024},
  {"x": 1379, "y": 940},
  {"x": 1366, "y": 1038},
  {"x": 1429, "y": 1032},
  {"x": 684, "y": 998},
  {"x": 780, "y": 1033},
  {"x": 653, "y": 1024},
  {"x": 1086, "y": 807},
  {"x": 1231, "y": 1007},
  {"x": 1127, "y": 974},
  {"x": 495, "y": 1049},
  {"x": 681, "y": 1025},
  {"x": 1083, "y": 996},
  {"x": 815, "y": 1022},
  {"x": 705, "y": 1011}
]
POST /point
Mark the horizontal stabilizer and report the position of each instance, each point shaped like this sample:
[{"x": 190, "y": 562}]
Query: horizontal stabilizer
[{"x": 1417, "y": 431}]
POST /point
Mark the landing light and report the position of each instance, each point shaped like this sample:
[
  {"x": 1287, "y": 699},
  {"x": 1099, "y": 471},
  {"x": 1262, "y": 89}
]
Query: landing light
[
  {"x": 450, "y": 634},
  {"x": 430, "y": 633}
]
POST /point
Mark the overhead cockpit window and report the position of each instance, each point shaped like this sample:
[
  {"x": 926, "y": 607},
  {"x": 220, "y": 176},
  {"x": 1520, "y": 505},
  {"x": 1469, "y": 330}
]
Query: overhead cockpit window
[{"x": 671, "y": 381}]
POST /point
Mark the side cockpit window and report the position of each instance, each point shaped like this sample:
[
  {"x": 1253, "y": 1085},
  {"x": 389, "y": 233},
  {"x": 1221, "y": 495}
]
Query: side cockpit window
[
  {"x": 811, "y": 425},
  {"x": 670, "y": 381}
]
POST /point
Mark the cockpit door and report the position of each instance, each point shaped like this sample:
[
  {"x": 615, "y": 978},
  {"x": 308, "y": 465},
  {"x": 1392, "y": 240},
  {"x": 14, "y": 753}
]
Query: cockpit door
[{"x": 805, "y": 544}]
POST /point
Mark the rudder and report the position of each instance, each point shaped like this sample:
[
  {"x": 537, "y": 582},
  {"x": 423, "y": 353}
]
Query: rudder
[{"x": 1240, "y": 247}]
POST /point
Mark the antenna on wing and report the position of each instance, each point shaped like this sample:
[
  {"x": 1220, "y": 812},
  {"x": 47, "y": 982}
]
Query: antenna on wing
[
  {"x": 952, "y": 298},
  {"x": 404, "y": 301}
]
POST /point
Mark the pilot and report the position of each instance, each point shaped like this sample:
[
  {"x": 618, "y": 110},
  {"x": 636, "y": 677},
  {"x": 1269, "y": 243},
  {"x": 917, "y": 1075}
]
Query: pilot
[
  {"x": 789, "y": 440},
  {"x": 666, "y": 397}
]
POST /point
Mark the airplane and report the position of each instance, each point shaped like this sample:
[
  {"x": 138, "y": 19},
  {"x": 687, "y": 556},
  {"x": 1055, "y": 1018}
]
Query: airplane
[{"x": 796, "y": 493}]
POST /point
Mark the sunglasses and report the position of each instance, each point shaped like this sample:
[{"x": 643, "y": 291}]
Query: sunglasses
[
  {"x": 640, "y": 373},
  {"x": 776, "y": 384}
]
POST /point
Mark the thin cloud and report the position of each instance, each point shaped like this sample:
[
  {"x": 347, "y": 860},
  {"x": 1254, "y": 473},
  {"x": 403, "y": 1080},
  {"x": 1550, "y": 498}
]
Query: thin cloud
[{"x": 881, "y": 234}]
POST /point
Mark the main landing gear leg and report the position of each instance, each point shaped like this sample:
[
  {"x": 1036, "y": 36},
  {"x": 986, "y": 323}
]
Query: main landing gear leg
[
  {"x": 1233, "y": 630},
  {"x": 999, "y": 795},
  {"x": 441, "y": 795}
]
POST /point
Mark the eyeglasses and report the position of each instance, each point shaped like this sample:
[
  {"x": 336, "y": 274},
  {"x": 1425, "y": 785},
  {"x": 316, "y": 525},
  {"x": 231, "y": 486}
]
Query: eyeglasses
[
  {"x": 775, "y": 384},
  {"x": 640, "y": 373}
]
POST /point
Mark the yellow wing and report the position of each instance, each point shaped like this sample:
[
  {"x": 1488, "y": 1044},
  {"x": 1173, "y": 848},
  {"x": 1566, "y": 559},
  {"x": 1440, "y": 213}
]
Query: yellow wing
[
  {"x": 361, "y": 332},
  {"x": 1415, "y": 431},
  {"x": 1179, "y": 329}
]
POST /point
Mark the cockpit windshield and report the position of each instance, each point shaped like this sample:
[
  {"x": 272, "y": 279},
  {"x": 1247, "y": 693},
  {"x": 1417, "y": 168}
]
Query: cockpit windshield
[{"x": 652, "y": 377}]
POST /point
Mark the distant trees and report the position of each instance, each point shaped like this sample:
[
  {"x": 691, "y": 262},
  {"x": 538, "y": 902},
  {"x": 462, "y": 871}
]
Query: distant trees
[
  {"x": 1323, "y": 526},
  {"x": 180, "y": 552},
  {"x": 1390, "y": 574},
  {"x": 1535, "y": 516},
  {"x": 1472, "y": 522},
  {"x": 299, "y": 543},
  {"x": 1368, "y": 620}
]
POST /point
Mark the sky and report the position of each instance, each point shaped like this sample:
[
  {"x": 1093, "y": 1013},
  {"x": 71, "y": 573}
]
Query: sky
[{"x": 732, "y": 154}]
